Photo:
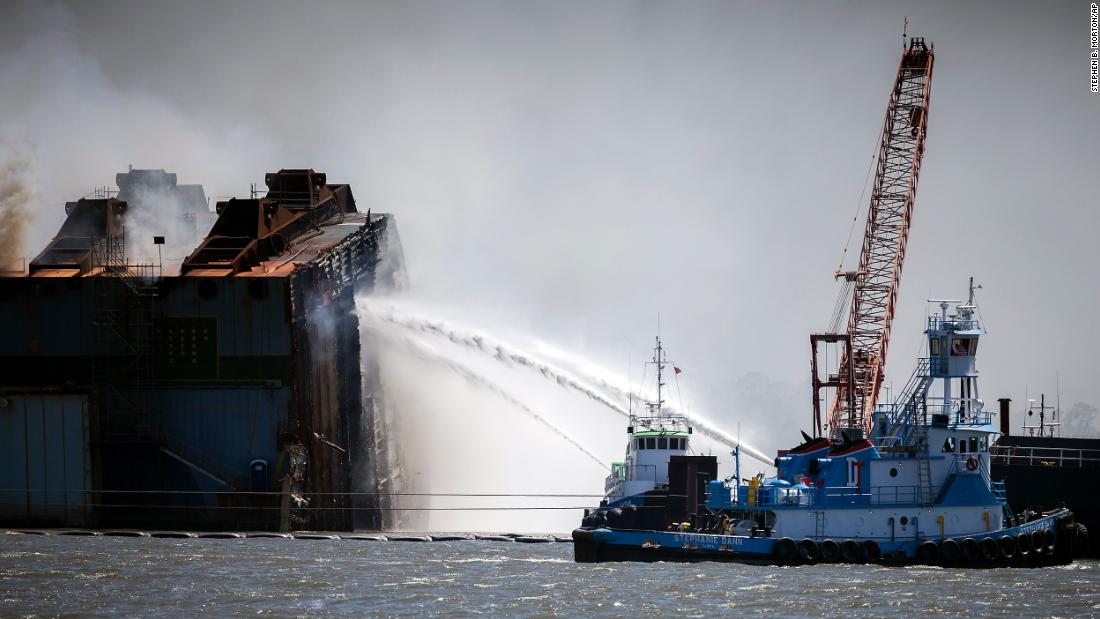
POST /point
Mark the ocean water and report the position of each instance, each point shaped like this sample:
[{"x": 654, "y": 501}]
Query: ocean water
[{"x": 106, "y": 576}]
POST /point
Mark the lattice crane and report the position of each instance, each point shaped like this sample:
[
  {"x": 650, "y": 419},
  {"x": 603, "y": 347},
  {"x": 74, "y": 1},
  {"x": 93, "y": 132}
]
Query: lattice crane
[{"x": 875, "y": 283}]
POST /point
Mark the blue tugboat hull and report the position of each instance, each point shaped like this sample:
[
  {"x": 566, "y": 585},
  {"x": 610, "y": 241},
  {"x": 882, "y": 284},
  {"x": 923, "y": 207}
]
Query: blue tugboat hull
[{"x": 1050, "y": 540}]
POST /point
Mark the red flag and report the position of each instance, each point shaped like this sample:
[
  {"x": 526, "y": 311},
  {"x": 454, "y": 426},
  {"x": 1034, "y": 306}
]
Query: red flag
[{"x": 678, "y": 370}]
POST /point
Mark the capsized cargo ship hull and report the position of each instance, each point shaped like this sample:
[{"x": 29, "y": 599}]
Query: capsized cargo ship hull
[{"x": 226, "y": 390}]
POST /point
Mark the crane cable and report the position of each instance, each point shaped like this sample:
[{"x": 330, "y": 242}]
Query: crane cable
[
  {"x": 866, "y": 180},
  {"x": 845, "y": 292},
  {"x": 840, "y": 307}
]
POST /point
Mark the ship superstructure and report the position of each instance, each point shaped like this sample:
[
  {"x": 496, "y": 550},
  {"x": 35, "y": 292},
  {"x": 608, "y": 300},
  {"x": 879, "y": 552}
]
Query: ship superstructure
[{"x": 653, "y": 438}]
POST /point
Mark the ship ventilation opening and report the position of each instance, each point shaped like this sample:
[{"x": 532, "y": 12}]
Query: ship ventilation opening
[{"x": 475, "y": 425}]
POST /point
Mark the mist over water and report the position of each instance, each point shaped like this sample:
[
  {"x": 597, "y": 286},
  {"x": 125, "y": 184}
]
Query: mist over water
[{"x": 474, "y": 413}]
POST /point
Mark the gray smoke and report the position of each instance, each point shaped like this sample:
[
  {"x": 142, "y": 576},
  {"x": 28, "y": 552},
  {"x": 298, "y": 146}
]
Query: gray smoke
[
  {"x": 16, "y": 196},
  {"x": 156, "y": 212}
]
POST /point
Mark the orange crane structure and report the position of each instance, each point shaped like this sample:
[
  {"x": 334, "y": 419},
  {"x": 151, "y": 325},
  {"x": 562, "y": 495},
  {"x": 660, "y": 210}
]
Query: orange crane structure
[{"x": 874, "y": 283}]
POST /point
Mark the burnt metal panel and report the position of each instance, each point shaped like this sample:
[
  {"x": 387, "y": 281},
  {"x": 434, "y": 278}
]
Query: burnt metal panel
[
  {"x": 87, "y": 221},
  {"x": 45, "y": 459}
]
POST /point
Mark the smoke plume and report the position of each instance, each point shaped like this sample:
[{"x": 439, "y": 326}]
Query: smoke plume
[{"x": 16, "y": 195}]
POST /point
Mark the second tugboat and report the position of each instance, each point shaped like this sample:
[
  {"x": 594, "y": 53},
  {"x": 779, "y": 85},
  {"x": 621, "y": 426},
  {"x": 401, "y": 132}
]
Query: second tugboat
[{"x": 917, "y": 490}]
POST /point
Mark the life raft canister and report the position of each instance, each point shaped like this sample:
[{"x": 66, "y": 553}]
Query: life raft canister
[{"x": 971, "y": 463}]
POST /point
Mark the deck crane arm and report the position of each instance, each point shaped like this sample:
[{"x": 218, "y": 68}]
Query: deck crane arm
[{"x": 875, "y": 281}]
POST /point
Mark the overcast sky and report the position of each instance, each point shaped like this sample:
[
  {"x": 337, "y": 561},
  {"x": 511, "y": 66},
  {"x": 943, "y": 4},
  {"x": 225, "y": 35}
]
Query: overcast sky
[{"x": 570, "y": 170}]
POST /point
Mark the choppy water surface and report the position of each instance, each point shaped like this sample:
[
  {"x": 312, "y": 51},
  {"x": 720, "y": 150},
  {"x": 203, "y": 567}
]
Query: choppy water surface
[{"x": 127, "y": 576}]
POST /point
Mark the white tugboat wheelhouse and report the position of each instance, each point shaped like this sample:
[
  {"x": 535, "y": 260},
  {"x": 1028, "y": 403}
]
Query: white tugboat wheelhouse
[{"x": 653, "y": 438}]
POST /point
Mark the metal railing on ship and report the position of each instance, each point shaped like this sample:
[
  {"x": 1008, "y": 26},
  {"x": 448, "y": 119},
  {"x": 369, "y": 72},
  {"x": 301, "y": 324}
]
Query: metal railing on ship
[
  {"x": 1044, "y": 456},
  {"x": 637, "y": 472}
]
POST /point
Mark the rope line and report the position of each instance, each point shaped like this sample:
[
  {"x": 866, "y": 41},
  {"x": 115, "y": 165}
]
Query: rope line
[
  {"x": 277, "y": 493},
  {"x": 322, "y": 508}
]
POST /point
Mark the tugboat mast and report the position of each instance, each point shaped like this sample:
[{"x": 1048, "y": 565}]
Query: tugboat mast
[{"x": 656, "y": 408}]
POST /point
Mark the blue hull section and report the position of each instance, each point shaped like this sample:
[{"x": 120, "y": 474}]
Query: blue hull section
[{"x": 1050, "y": 540}]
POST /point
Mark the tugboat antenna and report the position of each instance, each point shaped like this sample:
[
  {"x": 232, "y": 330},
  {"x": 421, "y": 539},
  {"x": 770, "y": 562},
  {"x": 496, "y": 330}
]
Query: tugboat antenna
[{"x": 659, "y": 360}]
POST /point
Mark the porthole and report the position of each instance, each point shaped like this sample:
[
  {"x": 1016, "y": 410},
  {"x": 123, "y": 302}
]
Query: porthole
[
  {"x": 904, "y": 520},
  {"x": 893, "y": 472}
]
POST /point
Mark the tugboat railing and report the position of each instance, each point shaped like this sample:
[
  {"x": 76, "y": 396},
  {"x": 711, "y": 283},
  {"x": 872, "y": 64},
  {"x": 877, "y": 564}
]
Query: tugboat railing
[
  {"x": 937, "y": 323},
  {"x": 636, "y": 472},
  {"x": 1044, "y": 456},
  {"x": 836, "y": 496}
]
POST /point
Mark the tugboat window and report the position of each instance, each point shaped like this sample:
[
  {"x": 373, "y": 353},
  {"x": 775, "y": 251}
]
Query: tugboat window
[
  {"x": 662, "y": 443},
  {"x": 949, "y": 445},
  {"x": 904, "y": 520},
  {"x": 893, "y": 472},
  {"x": 650, "y": 443},
  {"x": 962, "y": 445},
  {"x": 974, "y": 444},
  {"x": 934, "y": 347},
  {"x": 960, "y": 346},
  {"x": 639, "y": 443}
]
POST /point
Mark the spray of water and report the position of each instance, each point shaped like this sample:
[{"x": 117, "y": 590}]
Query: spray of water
[
  {"x": 508, "y": 354},
  {"x": 409, "y": 346},
  {"x": 462, "y": 428}
]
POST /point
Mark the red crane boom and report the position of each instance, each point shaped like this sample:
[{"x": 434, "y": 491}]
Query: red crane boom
[{"x": 875, "y": 282}]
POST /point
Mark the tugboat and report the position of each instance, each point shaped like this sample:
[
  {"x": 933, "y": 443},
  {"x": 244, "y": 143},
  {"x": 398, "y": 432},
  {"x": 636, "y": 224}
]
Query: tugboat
[
  {"x": 917, "y": 490},
  {"x": 645, "y": 488}
]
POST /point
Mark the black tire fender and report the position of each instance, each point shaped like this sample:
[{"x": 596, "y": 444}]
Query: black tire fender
[
  {"x": 830, "y": 551},
  {"x": 1038, "y": 542},
  {"x": 971, "y": 552},
  {"x": 808, "y": 551},
  {"x": 1081, "y": 544},
  {"x": 928, "y": 552},
  {"x": 1023, "y": 544},
  {"x": 851, "y": 551},
  {"x": 871, "y": 551},
  {"x": 785, "y": 551},
  {"x": 990, "y": 550},
  {"x": 614, "y": 517},
  {"x": 950, "y": 551}
]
